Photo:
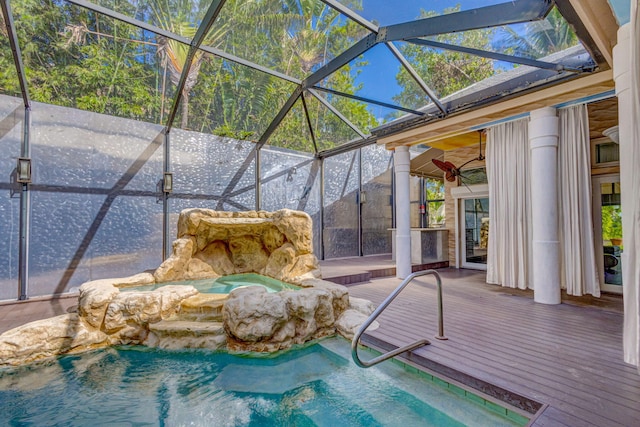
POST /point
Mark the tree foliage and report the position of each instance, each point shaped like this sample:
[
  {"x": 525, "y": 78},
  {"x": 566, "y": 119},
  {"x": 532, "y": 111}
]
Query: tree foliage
[
  {"x": 611, "y": 222},
  {"x": 444, "y": 71},
  {"x": 539, "y": 39},
  {"x": 78, "y": 58}
]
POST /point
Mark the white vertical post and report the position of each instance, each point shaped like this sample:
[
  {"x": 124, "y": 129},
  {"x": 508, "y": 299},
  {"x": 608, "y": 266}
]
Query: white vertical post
[
  {"x": 543, "y": 142},
  {"x": 628, "y": 167},
  {"x": 403, "y": 217}
]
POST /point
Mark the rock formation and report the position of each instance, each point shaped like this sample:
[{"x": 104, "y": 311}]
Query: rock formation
[
  {"x": 213, "y": 243},
  {"x": 209, "y": 244}
]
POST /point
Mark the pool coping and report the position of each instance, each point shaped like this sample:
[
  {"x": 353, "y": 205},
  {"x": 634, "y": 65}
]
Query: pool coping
[{"x": 491, "y": 394}]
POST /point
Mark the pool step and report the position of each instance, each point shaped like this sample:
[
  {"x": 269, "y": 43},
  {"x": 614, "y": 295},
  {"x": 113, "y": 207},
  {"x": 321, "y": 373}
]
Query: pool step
[
  {"x": 314, "y": 404},
  {"x": 203, "y": 308},
  {"x": 177, "y": 334},
  {"x": 376, "y": 273},
  {"x": 408, "y": 409}
]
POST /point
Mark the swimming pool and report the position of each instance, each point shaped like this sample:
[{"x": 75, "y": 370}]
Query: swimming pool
[
  {"x": 313, "y": 386},
  {"x": 225, "y": 284}
]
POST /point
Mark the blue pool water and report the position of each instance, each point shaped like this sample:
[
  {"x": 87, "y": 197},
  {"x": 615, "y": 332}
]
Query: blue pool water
[
  {"x": 225, "y": 284},
  {"x": 313, "y": 386}
]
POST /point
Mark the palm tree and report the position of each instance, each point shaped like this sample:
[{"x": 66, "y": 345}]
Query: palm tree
[
  {"x": 540, "y": 38},
  {"x": 316, "y": 33},
  {"x": 183, "y": 22}
]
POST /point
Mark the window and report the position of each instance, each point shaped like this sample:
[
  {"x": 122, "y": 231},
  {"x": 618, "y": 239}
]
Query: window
[
  {"x": 604, "y": 153},
  {"x": 474, "y": 176},
  {"x": 434, "y": 196},
  {"x": 607, "y": 152}
]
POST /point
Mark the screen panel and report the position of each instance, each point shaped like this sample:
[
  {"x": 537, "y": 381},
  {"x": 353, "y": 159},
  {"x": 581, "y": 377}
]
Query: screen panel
[
  {"x": 291, "y": 180},
  {"x": 377, "y": 206},
  {"x": 87, "y": 222},
  {"x": 340, "y": 232},
  {"x": 11, "y": 129}
]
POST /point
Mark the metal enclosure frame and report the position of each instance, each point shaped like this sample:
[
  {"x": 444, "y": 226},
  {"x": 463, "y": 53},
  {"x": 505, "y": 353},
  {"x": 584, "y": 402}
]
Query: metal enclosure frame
[{"x": 411, "y": 32}]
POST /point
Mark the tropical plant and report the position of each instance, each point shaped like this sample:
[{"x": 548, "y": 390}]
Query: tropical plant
[
  {"x": 434, "y": 196},
  {"x": 539, "y": 38},
  {"x": 611, "y": 222},
  {"x": 76, "y": 58},
  {"x": 316, "y": 34},
  {"x": 182, "y": 18},
  {"x": 444, "y": 71}
]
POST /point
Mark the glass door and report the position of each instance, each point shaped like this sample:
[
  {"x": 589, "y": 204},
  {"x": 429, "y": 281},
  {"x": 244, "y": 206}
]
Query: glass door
[
  {"x": 475, "y": 235},
  {"x": 607, "y": 218}
]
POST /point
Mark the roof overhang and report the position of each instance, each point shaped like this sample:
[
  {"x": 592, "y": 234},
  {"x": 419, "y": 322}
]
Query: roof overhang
[
  {"x": 594, "y": 23},
  {"x": 455, "y": 125},
  {"x": 423, "y": 166},
  {"x": 599, "y": 22}
]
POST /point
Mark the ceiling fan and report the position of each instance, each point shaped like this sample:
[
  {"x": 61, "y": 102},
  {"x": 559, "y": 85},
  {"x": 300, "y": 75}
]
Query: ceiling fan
[{"x": 451, "y": 172}]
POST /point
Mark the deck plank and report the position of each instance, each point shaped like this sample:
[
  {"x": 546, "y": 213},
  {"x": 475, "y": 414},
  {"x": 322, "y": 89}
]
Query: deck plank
[{"x": 567, "y": 356}]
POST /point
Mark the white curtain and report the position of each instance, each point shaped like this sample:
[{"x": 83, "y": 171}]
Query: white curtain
[
  {"x": 508, "y": 164},
  {"x": 578, "y": 263},
  {"x": 630, "y": 178}
]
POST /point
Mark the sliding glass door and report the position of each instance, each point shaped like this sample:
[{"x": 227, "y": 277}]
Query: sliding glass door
[
  {"x": 607, "y": 224},
  {"x": 475, "y": 232}
]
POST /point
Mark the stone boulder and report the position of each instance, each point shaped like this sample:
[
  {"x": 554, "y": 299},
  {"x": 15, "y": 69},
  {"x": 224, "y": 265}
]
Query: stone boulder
[
  {"x": 364, "y": 306},
  {"x": 198, "y": 269},
  {"x": 47, "y": 338},
  {"x": 253, "y": 315},
  {"x": 139, "y": 279},
  {"x": 129, "y": 314},
  {"x": 311, "y": 310},
  {"x": 256, "y": 320},
  {"x": 175, "y": 267},
  {"x": 297, "y": 228},
  {"x": 354, "y": 317},
  {"x": 339, "y": 293},
  {"x": 212, "y": 243},
  {"x": 216, "y": 254},
  {"x": 93, "y": 300},
  {"x": 177, "y": 316},
  {"x": 350, "y": 322}
]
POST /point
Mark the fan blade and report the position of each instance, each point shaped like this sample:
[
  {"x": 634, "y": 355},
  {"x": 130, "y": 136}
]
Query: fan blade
[
  {"x": 451, "y": 166},
  {"x": 449, "y": 169},
  {"x": 441, "y": 165},
  {"x": 445, "y": 166}
]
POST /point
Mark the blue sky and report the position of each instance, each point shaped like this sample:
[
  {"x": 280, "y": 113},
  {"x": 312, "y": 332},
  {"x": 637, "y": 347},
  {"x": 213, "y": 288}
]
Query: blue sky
[
  {"x": 379, "y": 79},
  {"x": 387, "y": 12}
]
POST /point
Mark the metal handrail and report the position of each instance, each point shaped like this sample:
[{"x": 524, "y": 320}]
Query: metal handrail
[{"x": 382, "y": 307}]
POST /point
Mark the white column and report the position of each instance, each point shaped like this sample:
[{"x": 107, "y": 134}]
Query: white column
[
  {"x": 543, "y": 142},
  {"x": 403, "y": 217},
  {"x": 630, "y": 288}
]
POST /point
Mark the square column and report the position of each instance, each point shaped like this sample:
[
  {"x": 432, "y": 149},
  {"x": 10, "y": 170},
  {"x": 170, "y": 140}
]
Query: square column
[
  {"x": 403, "y": 217},
  {"x": 543, "y": 143}
]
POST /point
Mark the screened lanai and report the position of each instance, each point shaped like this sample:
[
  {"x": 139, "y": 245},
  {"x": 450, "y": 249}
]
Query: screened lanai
[{"x": 116, "y": 115}]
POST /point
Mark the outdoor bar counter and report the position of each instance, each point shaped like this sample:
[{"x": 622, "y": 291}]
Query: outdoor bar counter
[{"x": 428, "y": 245}]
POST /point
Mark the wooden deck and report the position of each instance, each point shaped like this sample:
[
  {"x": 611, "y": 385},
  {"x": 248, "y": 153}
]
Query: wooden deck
[{"x": 566, "y": 356}]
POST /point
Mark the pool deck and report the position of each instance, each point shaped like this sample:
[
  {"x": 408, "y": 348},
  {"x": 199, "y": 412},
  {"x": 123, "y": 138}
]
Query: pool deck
[{"x": 567, "y": 357}]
